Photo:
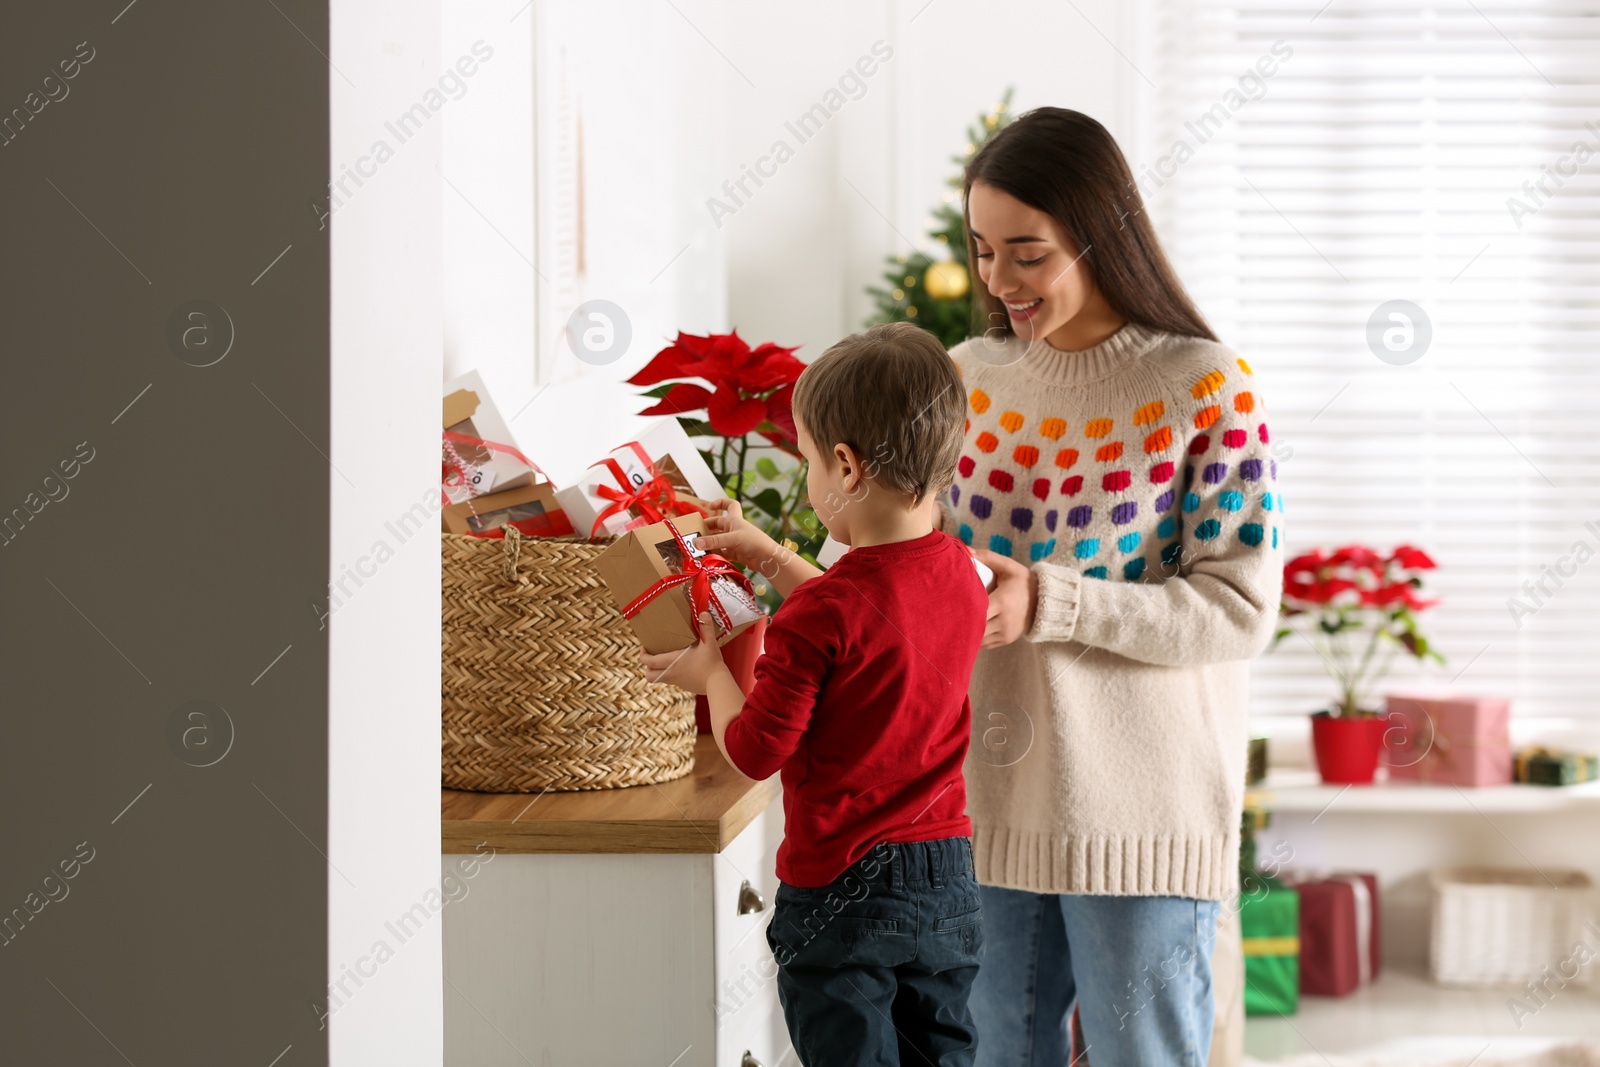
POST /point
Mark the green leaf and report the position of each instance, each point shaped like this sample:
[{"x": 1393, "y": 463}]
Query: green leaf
[
  {"x": 767, "y": 469},
  {"x": 659, "y": 391},
  {"x": 770, "y": 501}
]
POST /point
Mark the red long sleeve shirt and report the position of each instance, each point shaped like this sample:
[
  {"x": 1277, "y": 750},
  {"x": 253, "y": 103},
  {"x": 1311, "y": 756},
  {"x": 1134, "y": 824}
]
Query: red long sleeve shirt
[{"x": 860, "y": 699}]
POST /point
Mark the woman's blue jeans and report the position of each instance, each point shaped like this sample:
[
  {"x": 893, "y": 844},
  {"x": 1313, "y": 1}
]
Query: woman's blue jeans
[{"x": 1139, "y": 969}]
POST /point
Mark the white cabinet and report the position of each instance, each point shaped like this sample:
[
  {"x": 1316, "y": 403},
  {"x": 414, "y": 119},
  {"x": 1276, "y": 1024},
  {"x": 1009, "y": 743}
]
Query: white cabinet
[{"x": 622, "y": 960}]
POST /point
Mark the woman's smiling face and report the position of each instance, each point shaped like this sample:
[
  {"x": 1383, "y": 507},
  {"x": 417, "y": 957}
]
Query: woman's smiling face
[{"x": 1027, "y": 260}]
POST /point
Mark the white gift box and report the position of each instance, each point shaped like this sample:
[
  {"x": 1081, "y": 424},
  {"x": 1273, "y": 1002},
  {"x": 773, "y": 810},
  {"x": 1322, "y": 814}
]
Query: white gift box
[
  {"x": 660, "y": 442},
  {"x": 469, "y": 411}
]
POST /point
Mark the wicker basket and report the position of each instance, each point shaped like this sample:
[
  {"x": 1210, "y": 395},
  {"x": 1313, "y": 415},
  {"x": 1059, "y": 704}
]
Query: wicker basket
[
  {"x": 1503, "y": 926},
  {"x": 542, "y": 683}
]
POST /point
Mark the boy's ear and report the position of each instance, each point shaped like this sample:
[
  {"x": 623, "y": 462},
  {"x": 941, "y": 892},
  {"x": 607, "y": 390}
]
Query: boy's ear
[{"x": 852, "y": 471}]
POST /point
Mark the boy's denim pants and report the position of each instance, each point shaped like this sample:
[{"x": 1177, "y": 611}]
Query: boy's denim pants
[
  {"x": 1139, "y": 969},
  {"x": 876, "y": 967}
]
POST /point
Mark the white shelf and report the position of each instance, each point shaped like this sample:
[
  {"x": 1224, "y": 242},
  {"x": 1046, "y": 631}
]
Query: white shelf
[
  {"x": 1302, "y": 791},
  {"x": 1403, "y": 1012}
]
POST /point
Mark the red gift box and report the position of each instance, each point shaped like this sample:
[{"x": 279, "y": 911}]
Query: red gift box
[
  {"x": 1339, "y": 933},
  {"x": 740, "y": 654},
  {"x": 1451, "y": 740}
]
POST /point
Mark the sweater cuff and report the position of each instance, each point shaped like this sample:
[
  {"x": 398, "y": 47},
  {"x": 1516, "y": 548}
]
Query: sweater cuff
[{"x": 1055, "y": 614}]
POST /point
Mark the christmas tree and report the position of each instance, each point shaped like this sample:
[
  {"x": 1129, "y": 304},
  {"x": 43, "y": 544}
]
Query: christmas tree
[{"x": 935, "y": 291}]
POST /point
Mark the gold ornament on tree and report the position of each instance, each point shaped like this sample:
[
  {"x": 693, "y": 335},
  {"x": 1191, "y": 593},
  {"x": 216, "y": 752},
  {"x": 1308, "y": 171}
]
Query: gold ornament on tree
[{"x": 946, "y": 280}]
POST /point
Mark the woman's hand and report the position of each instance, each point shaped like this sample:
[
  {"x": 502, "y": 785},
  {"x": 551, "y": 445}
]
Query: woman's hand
[
  {"x": 736, "y": 538},
  {"x": 691, "y": 668},
  {"x": 1011, "y": 603}
]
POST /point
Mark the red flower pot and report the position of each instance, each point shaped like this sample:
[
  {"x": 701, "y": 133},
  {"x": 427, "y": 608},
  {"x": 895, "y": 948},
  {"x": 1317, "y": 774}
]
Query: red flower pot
[{"x": 1347, "y": 749}]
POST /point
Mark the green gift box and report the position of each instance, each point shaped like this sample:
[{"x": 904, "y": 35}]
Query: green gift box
[
  {"x": 1543, "y": 766},
  {"x": 1269, "y": 922}
]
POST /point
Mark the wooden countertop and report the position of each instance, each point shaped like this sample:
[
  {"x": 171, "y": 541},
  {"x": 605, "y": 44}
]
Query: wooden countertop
[{"x": 700, "y": 812}]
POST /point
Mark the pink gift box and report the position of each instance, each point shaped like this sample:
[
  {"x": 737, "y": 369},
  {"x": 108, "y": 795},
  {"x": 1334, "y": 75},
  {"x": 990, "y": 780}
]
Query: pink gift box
[{"x": 1450, "y": 740}]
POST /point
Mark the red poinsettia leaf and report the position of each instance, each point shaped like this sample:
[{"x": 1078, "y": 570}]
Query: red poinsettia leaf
[
  {"x": 732, "y": 416},
  {"x": 1355, "y": 556},
  {"x": 679, "y": 399},
  {"x": 728, "y": 350},
  {"x": 695, "y": 345},
  {"x": 1412, "y": 558},
  {"x": 674, "y": 361},
  {"x": 1306, "y": 563},
  {"x": 769, "y": 370}
]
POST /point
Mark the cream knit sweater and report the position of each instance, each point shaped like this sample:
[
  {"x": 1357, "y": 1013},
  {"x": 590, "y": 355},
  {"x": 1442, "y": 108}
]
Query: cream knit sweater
[{"x": 1137, "y": 479}]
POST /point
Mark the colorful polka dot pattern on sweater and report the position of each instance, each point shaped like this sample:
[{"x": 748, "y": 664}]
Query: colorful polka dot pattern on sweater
[{"x": 1132, "y": 493}]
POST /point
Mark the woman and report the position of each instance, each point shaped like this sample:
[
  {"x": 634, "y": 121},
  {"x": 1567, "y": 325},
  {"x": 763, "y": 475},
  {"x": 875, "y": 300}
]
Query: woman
[{"x": 1118, "y": 479}]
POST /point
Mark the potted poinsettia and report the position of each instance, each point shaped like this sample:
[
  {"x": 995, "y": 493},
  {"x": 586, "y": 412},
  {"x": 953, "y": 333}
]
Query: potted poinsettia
[
  {"x": 738, "y": 399},
  {"x": 1358, "y": 609}
]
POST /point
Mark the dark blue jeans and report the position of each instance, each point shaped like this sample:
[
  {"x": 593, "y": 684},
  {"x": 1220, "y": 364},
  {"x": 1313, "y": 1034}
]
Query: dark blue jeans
[{"x": 875, "y": 968}]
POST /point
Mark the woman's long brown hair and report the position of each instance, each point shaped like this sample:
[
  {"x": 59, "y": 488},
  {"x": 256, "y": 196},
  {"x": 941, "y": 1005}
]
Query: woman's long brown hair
[{"x": 1067, "y": 165}]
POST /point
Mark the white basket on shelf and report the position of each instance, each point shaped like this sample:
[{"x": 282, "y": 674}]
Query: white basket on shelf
[{"x": 1498, "y": 926}]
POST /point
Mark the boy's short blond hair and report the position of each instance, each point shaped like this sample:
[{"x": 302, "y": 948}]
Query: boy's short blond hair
[{"x": 893, "y": 394}]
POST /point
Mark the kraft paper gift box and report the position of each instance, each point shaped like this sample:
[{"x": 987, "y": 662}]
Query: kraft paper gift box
[
  {"x": 628, "y": 469},
  {"x": 531, "y": 509},
  {"x": 648, "y": 576},
  {"x": 1450, "y": 740},
  {"x": 1269, "y": 922},
  {"x": 479, "y": 453},
  {"x": 1340, "y": 936}
]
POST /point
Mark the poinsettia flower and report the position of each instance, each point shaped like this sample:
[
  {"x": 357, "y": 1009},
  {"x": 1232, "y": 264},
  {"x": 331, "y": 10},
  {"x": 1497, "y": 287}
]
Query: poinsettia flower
[
  {"x": 1308, "y": 562},
  {"x": 680, "y": 398},
  {"x": 1356, "y": 556},
  {"x": 713, "y": 358},
  {"x": 732, "y": 416},
  {"x": 1412, "y": 558}
]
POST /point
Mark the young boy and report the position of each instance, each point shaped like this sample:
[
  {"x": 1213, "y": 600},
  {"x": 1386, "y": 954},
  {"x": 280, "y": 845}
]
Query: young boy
[{"x": 860, "y": 700}]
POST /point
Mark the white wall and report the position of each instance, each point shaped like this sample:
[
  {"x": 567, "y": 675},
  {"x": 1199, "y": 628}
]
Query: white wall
[
  {"x": 383, "y": 745},
  {"x": 802, "y": 249},
  {"x": 653, "y": 110},
  {"x": 677, "y": 99}
]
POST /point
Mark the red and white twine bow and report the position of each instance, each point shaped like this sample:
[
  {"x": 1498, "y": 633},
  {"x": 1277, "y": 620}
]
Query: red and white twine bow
[
  {"x": 655, "y": 499},
  {"x": 456, "y": 472},
  {"x": 698, "y": 575}
]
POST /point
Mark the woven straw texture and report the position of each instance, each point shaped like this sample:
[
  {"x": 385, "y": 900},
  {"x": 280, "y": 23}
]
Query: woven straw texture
[{"x": 543, "y": 688}]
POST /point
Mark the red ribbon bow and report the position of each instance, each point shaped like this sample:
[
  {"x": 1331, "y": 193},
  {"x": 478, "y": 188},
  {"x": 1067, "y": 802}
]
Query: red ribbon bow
[
  {"x": 697, "y": 574},
  {"x": 656, "y": 498}
]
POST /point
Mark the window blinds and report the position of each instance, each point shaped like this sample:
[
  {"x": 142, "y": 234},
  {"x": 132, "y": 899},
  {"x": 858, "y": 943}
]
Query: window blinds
[{"x": 1310, "y": 164}]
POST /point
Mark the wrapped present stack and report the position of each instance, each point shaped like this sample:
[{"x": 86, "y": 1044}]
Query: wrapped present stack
[
  {"x": 485, "y": 481},
  {"x": 1449, "y": 740},
  {"x": 1269, "y": 922},
  {"x": 648, "y": 497}
]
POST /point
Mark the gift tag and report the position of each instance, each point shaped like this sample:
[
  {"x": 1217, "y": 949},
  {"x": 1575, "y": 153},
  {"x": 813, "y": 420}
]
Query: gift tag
[
  {"x": 477, "y": 482},
  {"x": 734, "y": 598}
]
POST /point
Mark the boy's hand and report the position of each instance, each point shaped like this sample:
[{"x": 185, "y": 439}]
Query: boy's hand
[
  {"x": 736, "y": 538},
  {"x": 1011, "y": 604},
  {"x": 690, "y": 668}
]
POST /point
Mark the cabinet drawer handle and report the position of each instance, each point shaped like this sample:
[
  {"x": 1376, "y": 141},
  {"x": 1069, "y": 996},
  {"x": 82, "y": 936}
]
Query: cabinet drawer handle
[
  {"x": 750, "y": 901},
  {"x": 748, "y": 1060}
]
